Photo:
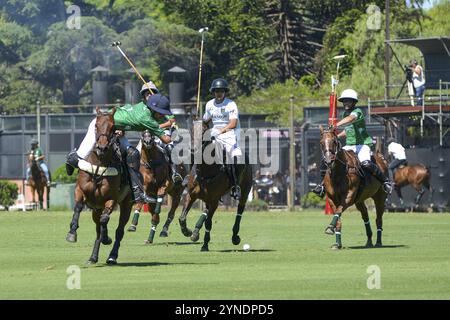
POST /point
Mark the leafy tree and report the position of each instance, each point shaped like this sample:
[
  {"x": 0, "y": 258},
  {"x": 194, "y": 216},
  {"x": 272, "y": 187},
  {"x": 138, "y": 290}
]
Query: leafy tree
[
  {"x": 8, "y": 193},
  {"x": 68, "y": 55}
]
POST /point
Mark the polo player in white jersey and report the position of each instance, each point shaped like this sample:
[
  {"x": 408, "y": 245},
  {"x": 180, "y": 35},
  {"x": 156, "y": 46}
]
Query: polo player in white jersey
[{"x": 224, "y": 114}]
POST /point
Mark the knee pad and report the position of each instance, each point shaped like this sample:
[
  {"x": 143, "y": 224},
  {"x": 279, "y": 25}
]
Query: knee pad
[{"x": 133, "y": 158}]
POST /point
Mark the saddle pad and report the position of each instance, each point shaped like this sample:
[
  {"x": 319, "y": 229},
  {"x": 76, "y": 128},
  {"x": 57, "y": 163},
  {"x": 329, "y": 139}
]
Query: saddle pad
[{"x": 96, "y": 170}]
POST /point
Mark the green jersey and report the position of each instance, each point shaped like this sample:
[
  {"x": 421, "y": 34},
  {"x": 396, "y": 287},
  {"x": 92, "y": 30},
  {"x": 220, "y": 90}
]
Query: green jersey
[
  {"x": 136, "y": 117},
  {"x": 37, "y": 153},
  {"x": 356, "y": 132},
  {"x": 165, "y": 119}
]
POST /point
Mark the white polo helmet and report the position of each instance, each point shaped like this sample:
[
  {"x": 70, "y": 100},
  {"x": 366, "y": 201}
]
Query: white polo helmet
[
  {"x": 147, "y": 85},
  {"x": 348, "y": 94}
]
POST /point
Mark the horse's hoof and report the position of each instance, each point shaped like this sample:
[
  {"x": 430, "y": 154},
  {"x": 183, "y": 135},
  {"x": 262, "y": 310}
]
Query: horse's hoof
[
  {"x": 378, "y": 245},
  {"x": 111, "y": 261},
  {"x": 369, "y": 244},
  {"x": 336, "y": 246},
  {"x": 107, "y": 241},
  {"x": 330, "y": 230},
  {"x": 236, "y": 240},
  {"x": 187, "y": 232},
  {"x": 71, "y": 237},
  {"x": 91, "y": 261},
  {"x": 132, "y": 228},
  {"x": 195, "y": 236},
  {"x": 164, "y": 234},
  {"x": 148, "y": 241},
  {"x": 204, "y": 248}
]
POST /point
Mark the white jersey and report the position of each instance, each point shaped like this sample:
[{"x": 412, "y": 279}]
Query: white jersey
[
  {"x": 221, "y": 114},
  {"x": 397, "y": 151}
]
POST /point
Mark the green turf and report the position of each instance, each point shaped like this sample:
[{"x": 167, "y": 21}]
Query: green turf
[{"x": 289, "y": 259}]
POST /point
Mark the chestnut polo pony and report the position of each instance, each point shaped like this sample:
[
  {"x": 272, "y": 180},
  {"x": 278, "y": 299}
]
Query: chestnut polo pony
[
  {"x": 157, "y": 183},
  {"x": 418, "y": 176},
  {"x": 346, "y": 184},
  {"x": 101, "y": 189}
]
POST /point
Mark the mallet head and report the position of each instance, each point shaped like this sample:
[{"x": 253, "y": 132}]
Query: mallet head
[
  {"x": 203, "y": 29},
  {"x": 116, "y": 43},
  {"x": 342, "y": 56}
]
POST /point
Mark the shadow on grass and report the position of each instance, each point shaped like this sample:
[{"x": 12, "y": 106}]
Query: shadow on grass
[
  {"x": 146, "y": 264},
  {"x": 383, "y": 247},
  {"x": 241, "y": 250},
  {"x": 174, "y": 243}
]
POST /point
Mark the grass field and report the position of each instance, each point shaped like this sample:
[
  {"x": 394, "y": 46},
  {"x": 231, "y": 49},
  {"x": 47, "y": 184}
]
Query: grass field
[{"x": 289, "y": 259}]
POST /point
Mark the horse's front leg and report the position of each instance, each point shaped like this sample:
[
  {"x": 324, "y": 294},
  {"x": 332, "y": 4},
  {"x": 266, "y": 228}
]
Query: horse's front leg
[
  {"x": 173, "y": 207},
  {"x": 237, "y": 223},
  {"x": 95, "y": 251},
  {"x": 72, "y": 234},
  {"x": 211, "y": 208},
  {"x": 188, "y": 204},
  {"x": 104, "y": 219},
  {"x": 399, "y": 195},
  {"x": 125, "y": 211},
  {"x": 135, "y": 221}
]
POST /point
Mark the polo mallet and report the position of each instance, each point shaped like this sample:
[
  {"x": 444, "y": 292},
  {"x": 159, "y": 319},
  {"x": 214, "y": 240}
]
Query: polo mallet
[
  {"x": 332, "y": 116},
  {"x": 117, "y": 45},
  {"x": 202, "y": 31}
]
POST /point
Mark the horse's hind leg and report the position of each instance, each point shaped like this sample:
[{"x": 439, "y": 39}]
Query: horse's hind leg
[
  {"x": 196, "y": 232},
  {"x": 399, "y": 195},
  {"x": 379, "y": 199},
  {"x": 208, "y": 225},
  {"x": 125, "y": 211},
  {"x": 246, "y": 187},
  {"x": 365, "y": 216}
]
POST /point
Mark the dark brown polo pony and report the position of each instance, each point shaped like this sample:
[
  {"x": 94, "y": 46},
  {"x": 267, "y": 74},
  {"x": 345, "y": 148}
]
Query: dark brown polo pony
[
  {"x": 157, "y": 183},
  {"x": 102, "y": 192},
  {"x": 345, "y": 186},
  {"x": 208, "y": 182},
  {"x": 38, "y": 182},
  {"x": 418, "y": 176}
]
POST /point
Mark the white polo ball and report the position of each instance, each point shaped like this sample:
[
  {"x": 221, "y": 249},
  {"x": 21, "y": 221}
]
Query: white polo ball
[{"x": 246, "y": 247}]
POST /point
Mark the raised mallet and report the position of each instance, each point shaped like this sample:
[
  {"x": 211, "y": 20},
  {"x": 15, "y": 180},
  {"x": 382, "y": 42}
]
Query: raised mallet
[
  {"x": 117, "y": 45},
  {"x": 202, "y": 31}
]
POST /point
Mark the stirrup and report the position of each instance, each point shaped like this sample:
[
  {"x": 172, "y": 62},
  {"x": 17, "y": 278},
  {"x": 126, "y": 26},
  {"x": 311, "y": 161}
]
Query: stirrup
[
  {"x": 177, "y": 178},
  {"x": 388, "y": 187},
  {"x": 236, "y": 192},
  {"x": 319, "y": 190}
]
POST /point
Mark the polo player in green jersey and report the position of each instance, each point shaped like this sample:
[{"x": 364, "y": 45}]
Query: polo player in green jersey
[
  {"x": 357, "y": 140},
  {"x": 138, "y": 117},
  {"x": 39, "y": 157}
]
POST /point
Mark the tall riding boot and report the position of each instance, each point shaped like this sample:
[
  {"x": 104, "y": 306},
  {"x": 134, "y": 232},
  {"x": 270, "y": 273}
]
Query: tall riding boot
[
  {"x": 136, "y": 179},
  {"x": 176, "y": 177},
  {"x": 72, "y": 162},
  {"x": 235, "y": 189},
  {"x": 376, "y": 172},
  {"x": 320, "y": 189}
]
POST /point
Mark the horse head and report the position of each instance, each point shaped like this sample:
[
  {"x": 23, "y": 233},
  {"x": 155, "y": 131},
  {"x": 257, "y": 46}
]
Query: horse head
[
  {"x": 104, "y": 132},
  {"x": 329, "y": 144}
]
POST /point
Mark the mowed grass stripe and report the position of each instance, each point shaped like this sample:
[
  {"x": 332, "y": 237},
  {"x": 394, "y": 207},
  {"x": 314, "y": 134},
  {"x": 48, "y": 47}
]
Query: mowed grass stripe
[{"x": 289, "y": 259}]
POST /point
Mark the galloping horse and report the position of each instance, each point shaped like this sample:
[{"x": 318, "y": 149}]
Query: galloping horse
[
  {"x": 208, "y": 182},
  {"x": 157, "y": 183},
  {"x": 418, "y": 176},
  {"x": 101, "y": 188},
  {"x": 346, "y": 184},
  {"x": 38, "y": 182}
]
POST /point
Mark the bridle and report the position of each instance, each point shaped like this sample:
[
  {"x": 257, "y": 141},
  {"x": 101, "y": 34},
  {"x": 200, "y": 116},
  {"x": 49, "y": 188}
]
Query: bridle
[{"x": 330, "y": 153}]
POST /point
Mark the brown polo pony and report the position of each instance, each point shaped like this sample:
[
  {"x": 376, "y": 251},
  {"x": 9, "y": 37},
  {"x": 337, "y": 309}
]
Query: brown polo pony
[
  {"x": 38, "y": 182},
  {"x": 157, "y": 183},
  {"x": 345, "y": 186},
  {"x": 101, "y": 192},
  {"x": 209, "y": 182},
  {"x": 418, "y": 176}
]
